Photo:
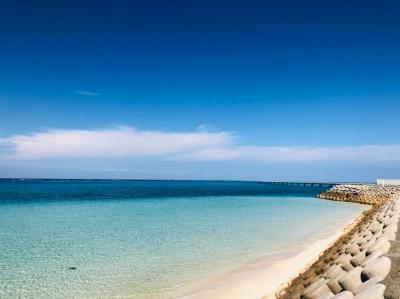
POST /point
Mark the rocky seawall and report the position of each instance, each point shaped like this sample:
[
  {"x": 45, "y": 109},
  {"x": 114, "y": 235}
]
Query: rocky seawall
[
  {"x": 365, "y": 262},
  {"x": 364, "y": 194}
]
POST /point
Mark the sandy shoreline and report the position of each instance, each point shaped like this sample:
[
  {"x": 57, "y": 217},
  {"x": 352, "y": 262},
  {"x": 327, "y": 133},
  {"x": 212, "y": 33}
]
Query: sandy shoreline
[{"x": 265, "y": 280}]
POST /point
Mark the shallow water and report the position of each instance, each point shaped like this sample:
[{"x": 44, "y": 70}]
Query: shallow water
[{"x": 146, "y": 239}]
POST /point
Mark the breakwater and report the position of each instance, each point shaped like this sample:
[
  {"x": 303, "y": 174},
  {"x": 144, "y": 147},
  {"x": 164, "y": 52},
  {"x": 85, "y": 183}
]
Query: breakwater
[
  {"x": 364, "y": 194},
  {"x": 365, "y": 262}
]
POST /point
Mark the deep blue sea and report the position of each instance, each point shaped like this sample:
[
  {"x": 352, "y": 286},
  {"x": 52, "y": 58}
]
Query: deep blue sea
[{"x": 146, "y": 239}]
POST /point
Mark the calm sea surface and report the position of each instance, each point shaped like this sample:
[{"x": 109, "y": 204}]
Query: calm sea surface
[{"x": 146, "y": 239}]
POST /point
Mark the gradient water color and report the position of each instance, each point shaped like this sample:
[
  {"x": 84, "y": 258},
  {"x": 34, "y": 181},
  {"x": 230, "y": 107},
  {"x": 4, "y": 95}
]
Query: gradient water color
[{"x": 147, "y": 239}]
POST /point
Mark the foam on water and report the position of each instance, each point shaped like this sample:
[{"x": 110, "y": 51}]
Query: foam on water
[{"x": 124, "y": 239}]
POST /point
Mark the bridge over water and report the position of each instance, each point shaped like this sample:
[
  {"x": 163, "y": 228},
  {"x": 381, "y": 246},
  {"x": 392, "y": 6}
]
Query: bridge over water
[{"x": 309, "y": 184}]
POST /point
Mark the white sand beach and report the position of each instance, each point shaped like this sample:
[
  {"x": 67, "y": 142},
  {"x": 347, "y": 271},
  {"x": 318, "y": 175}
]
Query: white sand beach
[{"x": 265, "y": 279}]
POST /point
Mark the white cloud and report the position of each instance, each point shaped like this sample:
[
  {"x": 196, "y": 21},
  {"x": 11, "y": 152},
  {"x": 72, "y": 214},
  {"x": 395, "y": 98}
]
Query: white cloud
[
  {"x": 127, "y": 142},
  {"x": 87, "y": 93},
  {"x": 112, "y": 143}
]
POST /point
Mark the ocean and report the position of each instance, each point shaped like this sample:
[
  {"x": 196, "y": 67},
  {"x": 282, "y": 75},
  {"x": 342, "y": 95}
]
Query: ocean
[{"x": 148, "y": 239}]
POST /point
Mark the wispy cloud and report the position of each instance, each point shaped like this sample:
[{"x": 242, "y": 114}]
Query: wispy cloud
[
  {"x": 207, "y": 127},
  {"x": 128, "y": 142},
  {"x": 279, "y": 154},
  {"x": 87, "y": 93}
]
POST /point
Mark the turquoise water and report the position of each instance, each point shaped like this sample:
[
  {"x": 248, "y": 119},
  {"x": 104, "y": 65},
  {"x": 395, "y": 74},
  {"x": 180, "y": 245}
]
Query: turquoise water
[{"x": 145, "y": 239}]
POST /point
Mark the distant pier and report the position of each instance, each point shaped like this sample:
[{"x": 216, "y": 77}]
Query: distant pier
[{"x": 305, "y": 184}]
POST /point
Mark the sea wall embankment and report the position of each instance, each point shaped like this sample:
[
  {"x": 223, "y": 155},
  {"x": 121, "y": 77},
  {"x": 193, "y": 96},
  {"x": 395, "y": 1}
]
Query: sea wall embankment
[
  {"x": 364, "y": 194},
  {"x": 365, "y": 262}
]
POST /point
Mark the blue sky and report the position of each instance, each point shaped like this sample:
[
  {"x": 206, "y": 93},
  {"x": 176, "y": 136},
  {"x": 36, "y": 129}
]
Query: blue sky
[{"x": 200, "y": 90}]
